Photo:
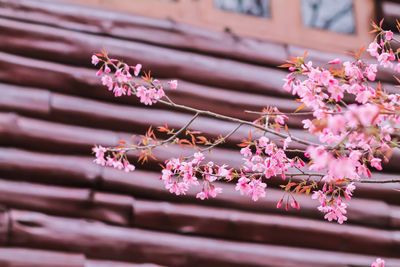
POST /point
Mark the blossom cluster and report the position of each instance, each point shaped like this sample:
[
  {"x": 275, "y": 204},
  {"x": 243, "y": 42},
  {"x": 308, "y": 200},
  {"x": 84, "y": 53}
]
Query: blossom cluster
[
  {"x": 121, "y": 83},
  {"x": 116, "y": 160},
  {"x": 353, "y": 121},
  {"x": 180, "y": 174},
  {"x": 381, "y": 49},
  {"x": 354, "y": 137},
  {"x": 263, "y": 156},
  {"x": 333, "y": 206}
]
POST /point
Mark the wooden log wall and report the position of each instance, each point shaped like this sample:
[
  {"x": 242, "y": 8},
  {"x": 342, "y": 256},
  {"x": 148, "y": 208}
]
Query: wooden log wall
[{"x": 60, "y": 209}]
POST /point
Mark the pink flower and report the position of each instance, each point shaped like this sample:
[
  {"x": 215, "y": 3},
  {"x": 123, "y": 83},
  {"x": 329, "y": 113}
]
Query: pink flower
[
  {"x": 364, "y": 95},
  {"x": 173, "y": 84},
  {"x": 288, "y": 83},
  {"x": 137, "y": 69},
  {"x": 337, "y": 124},
  {"x": 246, "y": 151},
  {"x": 378, "y": 263},
  {"x": 166, "y": 175},
  {"x": 363, "y": 170},
  {"x": 95, "y": 60},
  {"x": 119, "y": 91},
  {"x": 336, "y": 92},
  {"x": 320, "y": 158},
  {"x": 149, "y": 96},
  {"x": 335, "y": 61},
  {"x": 177, "y": 188},
  {"x": 370, "y": 71},
  {"x": 384, "y": 59},
  {"x": 197, "y": 158},
  {"x": 294, "y": 204},
  {"x": 341, "y": 168},
  {"x": 99, "y": 154},
  {"x": 286, "y": 143},
  {"x": 263, "y": 141},
  {"x": 141, "y": 91},
  {"x": 279, "y": 204},
  {"x": 107, "y": 81},
  {"x": 308, "y": 124},
  {"x": 256, "y": 189},
  {"x": 319, "y": 195},
  {"x": 202, "y": 195},
  {"x": 107, "y": 69},
  {"x": 351, "y": 70},
  {"x": 223, "y": 172},
  {"x": 376, "y": 163},
  {"x": 349, "y": 190},
  {"x": 144, "y": 95},
  {"x": 388, "y": 35},
  {"x": 159, "y": 94},
  {"x": 121, "y": 76},
  {"x": 368, "y": 114},
  {"x": 214, "y": 191},
  {"x": 110, "y": 161},
  {"x": 242, "y": 185},
  {"x": 129, "y": 168},
  {"x": 98, "y": 73},
  {"x": 211, "y": 191},
  {"x": 117, "y": 164},
  {"x": 373, "y": 49}
]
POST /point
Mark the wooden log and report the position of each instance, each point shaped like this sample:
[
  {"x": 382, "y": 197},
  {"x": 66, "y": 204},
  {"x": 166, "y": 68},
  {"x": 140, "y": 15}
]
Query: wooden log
[
  {"x": 60, "y": 45},
  {"x": 49, "y": 168},
  {"x": 56, "y": 169},
  {"x": 30, "y": 101},
  {"x": 144, "y": 29},
  {"x": 146, "y": 185},
  {"x": 101, "y": 241},
  {"x": 70, "y": 202},
  {"x": 264, "y": 228},
  {"x": 103, "y": 263},
  {"x": 41, "y": 135},
  {"x": 24, "y": 257},
  {"x": 82, "y": 82},
  {"x": 57, "y": 137},
  {"x": 52, "y": 137},
  {"x": 184, "y": 218}
]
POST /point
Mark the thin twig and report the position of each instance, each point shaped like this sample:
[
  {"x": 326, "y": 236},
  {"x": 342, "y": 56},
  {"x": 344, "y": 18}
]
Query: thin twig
[
  {"x": 380, "y": 181},
  {"x": 228, "y": 118},
  {"x": 283, "y": 113},
  {"x": 172, "y": 137},
  {"x": 222, "y": 139}
]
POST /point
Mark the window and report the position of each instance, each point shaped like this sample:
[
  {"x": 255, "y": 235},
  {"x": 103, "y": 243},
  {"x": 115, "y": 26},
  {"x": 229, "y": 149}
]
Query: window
[
  {"x": 331, "y": 15},
  {"x": 259, "y": 8}
]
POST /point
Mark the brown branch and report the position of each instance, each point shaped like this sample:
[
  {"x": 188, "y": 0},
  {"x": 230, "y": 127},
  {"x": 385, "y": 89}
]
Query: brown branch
[
  {"x": 380, "y": 181},
  {"x": 222, "y": 139},
  {"x": 171, "y": 138}
]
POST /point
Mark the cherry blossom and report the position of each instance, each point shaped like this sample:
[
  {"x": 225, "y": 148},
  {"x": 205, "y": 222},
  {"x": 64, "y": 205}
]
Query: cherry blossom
[
  {"x": 353, "y": 121},
  {"x": 378, "y": 263},
  {"x": 173, "y": 84}
]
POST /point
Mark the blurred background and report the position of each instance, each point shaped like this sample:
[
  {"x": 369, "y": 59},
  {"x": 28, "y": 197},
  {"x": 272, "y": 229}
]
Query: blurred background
[{"x": 60, "y": 209}]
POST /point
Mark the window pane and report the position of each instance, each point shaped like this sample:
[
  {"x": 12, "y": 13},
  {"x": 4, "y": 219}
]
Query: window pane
[
  {"x": 332, "y": 15},
  {"x": 259, "y": 8}
]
